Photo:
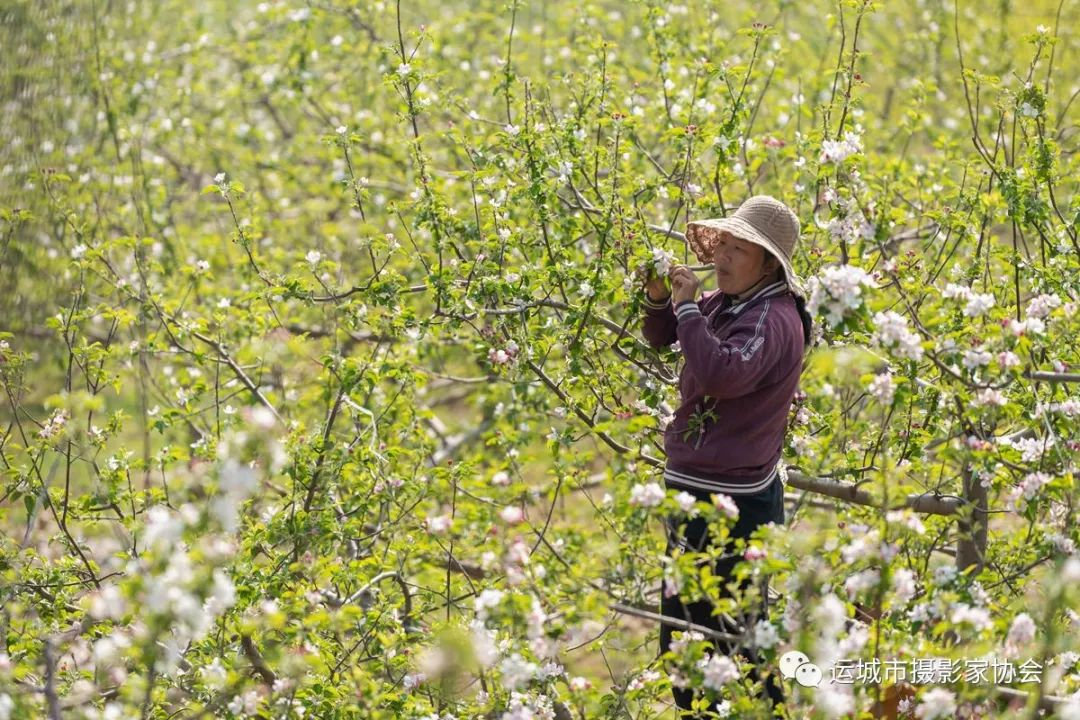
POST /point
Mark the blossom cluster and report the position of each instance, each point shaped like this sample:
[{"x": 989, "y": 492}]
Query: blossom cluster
[
  {"x": 837, "y": 151},
  {"x": 976, "y": 304},
  {"x": 892, "y": 331},
  {"x": 838, "y": 291}
]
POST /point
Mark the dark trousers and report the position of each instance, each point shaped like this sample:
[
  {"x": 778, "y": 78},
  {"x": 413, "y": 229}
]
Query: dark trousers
[{"x": 754, "y": 510}]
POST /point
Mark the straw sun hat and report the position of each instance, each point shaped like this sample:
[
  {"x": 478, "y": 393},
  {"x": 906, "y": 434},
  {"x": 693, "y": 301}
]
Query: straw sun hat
[{"x": 762, "y": 220}]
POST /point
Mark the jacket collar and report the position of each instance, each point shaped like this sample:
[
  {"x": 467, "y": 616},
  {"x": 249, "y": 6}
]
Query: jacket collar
[{"x": 777, "y": 288}]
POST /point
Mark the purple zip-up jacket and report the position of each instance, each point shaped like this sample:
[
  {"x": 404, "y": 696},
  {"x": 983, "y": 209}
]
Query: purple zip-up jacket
[{"x": 742, "y": 366}]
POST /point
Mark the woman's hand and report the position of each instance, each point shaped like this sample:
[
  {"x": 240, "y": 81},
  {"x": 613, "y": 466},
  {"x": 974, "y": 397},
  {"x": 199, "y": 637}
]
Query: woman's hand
[
  {"x": 655, "y": 286},
  {"x": 684, "y": 284}
]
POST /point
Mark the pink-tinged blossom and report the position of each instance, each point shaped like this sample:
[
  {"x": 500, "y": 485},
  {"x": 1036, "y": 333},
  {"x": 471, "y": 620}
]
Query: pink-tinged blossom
[
  {"x": 640, "y": 681},
  {"x": 437, "y": 524},
  {"x": 1041, "y": 305},
  {"x": 1028, "y": 326},
  {"x": 725, "y": 504},
  {"x": 852, "y": 225},
  {"x": 512, "y": 515},
  {"x": 944, "y": 575},
  {"x": 1069, "y": 407},
  {"x": 755, "y": 552},
  {"x": 989, "y": 397},
  {"x": 1032, "y": 484},
  {"x": 517, "y": 553},
  {"x": 53, "y": 425}
]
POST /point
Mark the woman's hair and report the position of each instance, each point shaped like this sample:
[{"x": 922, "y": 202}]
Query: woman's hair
[
  {"x": 804, "y": 314},
  {"x": 807, "y": 321},
  {"x": 800, "y": 303}
]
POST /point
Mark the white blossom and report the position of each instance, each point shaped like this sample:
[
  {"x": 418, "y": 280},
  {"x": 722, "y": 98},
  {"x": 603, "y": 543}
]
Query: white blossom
[
  {"x": 836, "y": 151},
  {"x": 976, "y": 358},
  {"x": 977, "y": 617},
  {"x": 765, "y": 634},
  {"x": 837, "y": 289},
  {"x": 978, "y": 304},
  {"x": 516, "y": 671},
  {"x": 860, "y": 581},
  {"x": 891, "y": 330},
  {"x": 648, "y": 495},
  {"x": 486, "y": 600},
  {"x": 718, "y": 670},
  {"x": 685, "y": 501},
  {"x": 903, "y": 584},
  {"x": 882, "y": 387},
  {"x": 214, "y": 674},
  {"x": 1022, "y": 630},
  {"x": 936, "y": 703},
  {"x": 662, "y": 261}
]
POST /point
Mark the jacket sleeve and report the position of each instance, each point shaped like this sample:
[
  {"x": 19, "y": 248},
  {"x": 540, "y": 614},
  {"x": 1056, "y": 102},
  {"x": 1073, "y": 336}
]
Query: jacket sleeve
[
  {"x": 737, "y": 364},
  {"x": 659, "y": 324}
]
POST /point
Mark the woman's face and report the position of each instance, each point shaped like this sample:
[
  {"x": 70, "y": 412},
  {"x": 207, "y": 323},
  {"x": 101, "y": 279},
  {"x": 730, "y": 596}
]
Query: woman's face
[{"x": 739, "y": 264}]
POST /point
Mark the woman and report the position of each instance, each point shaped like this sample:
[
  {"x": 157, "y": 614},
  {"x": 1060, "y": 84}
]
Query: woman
[{"x": 743, "y": 348}]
